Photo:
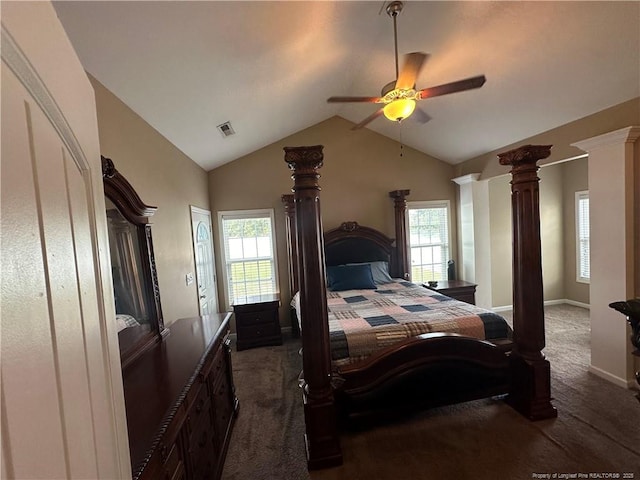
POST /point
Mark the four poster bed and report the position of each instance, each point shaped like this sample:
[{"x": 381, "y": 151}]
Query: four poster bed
[{"x": 376, "y": 344}]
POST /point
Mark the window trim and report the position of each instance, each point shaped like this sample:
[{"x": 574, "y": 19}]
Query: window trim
[
  {"x": 420, "y": 204},
  {"x": 236, "y": 214},
  {"x": 578, "y": 196}
]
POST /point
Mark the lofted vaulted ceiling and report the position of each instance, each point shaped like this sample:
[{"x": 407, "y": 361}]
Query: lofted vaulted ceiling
[{"x": 268, "y": 67}]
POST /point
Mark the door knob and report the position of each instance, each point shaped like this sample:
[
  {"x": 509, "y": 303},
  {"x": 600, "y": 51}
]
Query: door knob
[{"x": 202, "y": 297}]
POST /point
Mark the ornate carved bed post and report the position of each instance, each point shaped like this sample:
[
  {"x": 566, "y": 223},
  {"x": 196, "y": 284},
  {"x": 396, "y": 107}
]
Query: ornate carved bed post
[
  {"x": 402, "y": 258},
  {"x": 531, "y": 374},
  {"x": 322, "y": 441},
  {"x": 292, "y": 253}
]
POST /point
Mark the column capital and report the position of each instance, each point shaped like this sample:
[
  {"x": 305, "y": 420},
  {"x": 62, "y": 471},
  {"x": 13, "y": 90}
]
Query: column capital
[
  {"x": 399, "y": 194},
  {"x": 304, "y": 159},
  {"x": 527, "y": 154}
]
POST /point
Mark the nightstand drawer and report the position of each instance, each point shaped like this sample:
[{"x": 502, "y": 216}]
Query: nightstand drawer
[
  {"x": 256, "y": 317},
  {"x": 259, "y": 331}
]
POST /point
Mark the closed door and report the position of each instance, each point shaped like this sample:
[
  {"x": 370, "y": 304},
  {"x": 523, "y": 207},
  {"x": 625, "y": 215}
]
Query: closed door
[
  {"x": 204, "y": 260},
  {"x": 62, "y": 403}
]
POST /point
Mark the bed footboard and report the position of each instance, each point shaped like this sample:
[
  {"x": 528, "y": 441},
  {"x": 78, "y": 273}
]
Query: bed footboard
[{"x": 425, "y": 371}]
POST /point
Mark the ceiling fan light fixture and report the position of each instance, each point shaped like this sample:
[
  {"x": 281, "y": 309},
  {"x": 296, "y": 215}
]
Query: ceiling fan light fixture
[
  {"x": 398, "y": 98},
  {"x": 399, "y": 109}
]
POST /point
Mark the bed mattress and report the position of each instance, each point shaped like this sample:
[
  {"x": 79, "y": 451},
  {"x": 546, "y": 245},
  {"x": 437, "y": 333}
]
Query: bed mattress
[{"x": 364, "y": 321}]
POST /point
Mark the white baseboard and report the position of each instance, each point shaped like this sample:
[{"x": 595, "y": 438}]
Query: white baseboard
[
  {"x": 504, "y": 308},
  {"x": 560, "y": 301},
  {"x": 578, "y": 304},
  {"x": 621, "y": 382}
]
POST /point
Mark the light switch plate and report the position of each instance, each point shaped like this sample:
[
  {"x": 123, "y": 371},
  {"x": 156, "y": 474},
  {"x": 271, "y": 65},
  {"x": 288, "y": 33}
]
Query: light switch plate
[{"x": 189, "y": 278}]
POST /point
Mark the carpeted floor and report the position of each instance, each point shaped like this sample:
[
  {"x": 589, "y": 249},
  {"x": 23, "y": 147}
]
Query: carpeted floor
[{"x": 597, "y": 430}]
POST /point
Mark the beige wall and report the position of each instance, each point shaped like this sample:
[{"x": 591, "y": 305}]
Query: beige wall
[
  {"x": 360, "y": 168},
  {"x": 501, "y": 241},
  {"x": 619, "y": 116},
  {"x": 552, "y": 233},
  {"x": 576, "y": 179},
  {"x": 166, "y": 178}
]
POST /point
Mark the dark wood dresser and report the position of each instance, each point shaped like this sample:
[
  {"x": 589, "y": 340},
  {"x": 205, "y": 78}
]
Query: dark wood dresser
[
  {"x": 257, "y": 321},
  {"x": 181, "y": 402},
  {"x": 458, "y": 289}
]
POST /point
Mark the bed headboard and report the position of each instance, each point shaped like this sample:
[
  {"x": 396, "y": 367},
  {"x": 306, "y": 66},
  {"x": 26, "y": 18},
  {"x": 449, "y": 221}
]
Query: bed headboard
[{"x": 353, "y": 243}]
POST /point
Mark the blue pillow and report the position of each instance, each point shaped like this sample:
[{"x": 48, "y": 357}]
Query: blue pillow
[
  {"x": 350, "y": 277},
  {"x": 379, "y": 271}
]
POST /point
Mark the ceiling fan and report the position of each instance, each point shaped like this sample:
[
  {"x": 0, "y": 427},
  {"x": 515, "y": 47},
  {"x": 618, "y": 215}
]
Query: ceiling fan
[{"x": 398, "y": 97}]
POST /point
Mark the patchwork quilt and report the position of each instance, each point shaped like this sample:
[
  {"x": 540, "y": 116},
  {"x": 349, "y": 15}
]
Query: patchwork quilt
[{"x": 363, "y": 321}]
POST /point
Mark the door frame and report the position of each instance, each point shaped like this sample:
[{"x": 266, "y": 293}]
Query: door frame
[{"x": 202, "y": 211}]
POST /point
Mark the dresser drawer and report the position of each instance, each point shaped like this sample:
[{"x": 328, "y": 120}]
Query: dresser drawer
[
  {"x": 219, "y": 367},
  {"x": 167, "y": 463},
  {"x": 196, "y": 393},
  {"x": 173, "y": 467},
  {"x": 201, "y": 446},
  {"x": 223, "y": 408},
  {"x": 199, "y": 415},
  {"x": 205, "y": 470}
]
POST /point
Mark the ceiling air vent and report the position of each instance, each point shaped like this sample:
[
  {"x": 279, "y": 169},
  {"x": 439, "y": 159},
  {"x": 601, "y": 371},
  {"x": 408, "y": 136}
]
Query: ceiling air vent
[{"x": 226, "y": 130}]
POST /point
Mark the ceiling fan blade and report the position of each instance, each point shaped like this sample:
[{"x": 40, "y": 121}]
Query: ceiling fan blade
[
  {"x": 353, "y": 99},
  {"x": 370, "y": 118},
  {"x": 420, "y": 116},
  {"x": 453, "y": 87},
  {"x": 413, "y": 63}
]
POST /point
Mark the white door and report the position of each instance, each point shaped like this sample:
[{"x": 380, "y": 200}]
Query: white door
[
  {"x": 205, "y": 260},
  {"x": 63, "y": 413}
]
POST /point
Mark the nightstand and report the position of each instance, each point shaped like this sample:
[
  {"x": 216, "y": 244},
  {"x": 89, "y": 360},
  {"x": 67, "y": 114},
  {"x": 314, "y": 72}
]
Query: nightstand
[
  {"x": 257, "y": 321},
  {"x": 458, "y": 289}
]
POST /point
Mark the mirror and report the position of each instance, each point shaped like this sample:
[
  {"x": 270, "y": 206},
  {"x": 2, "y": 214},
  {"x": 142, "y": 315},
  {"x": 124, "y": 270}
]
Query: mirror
[{"x": 135, "y": 282}]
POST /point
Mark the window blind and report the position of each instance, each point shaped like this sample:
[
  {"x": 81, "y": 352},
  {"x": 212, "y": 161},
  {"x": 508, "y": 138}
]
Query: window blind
[
  {"x": 582, "y": 236},
  {"x": 428, "y": 241},
  {"x": 248, "y": 243}
]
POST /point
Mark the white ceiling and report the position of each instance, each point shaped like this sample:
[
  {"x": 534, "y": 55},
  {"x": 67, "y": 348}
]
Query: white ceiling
[{"x": 268, "y": 67}]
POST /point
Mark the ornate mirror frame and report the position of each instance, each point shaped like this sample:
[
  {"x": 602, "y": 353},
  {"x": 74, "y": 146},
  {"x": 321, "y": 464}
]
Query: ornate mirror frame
[{"x": 144, "y": 278}]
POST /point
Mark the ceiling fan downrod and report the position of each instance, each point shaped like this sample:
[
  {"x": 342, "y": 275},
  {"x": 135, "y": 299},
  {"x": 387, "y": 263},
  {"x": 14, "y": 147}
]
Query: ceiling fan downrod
[{"x": 393, "y": 9}]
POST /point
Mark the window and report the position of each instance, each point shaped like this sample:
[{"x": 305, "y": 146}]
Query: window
[
  {"x": 428, "y": 240},
  {"x": 248, "y": 246},
  {"x": 583, "y": 273}
]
